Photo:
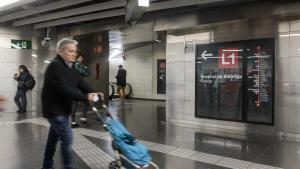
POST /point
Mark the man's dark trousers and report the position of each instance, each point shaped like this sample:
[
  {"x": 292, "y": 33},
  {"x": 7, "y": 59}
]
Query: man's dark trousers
[{"x": 59, "y": 130}]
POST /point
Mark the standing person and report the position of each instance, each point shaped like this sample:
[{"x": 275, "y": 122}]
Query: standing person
[
  {"x": 62, "y": 85},
  {"x": 84, "y": 72},
  {"x": 22, "y": 76},
  {"x": 121, "y": 82}
]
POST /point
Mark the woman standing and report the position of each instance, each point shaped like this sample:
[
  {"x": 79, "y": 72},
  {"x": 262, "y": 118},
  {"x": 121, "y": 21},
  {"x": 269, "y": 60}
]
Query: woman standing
[{"x": 22, "y": 76}]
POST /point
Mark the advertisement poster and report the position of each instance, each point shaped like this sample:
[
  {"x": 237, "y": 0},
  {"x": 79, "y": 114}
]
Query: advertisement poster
[{"x": 161, "y": 76}]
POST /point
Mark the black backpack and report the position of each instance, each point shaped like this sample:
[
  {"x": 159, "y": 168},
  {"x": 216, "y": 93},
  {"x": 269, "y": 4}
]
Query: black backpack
[{"x": 30, "y": 83}]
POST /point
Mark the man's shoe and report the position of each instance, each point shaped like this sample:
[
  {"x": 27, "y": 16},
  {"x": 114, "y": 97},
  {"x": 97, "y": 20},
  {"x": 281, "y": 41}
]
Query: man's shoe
[
  {"x": 84, "y": 120},
  {"x": 74, "y": 125}
]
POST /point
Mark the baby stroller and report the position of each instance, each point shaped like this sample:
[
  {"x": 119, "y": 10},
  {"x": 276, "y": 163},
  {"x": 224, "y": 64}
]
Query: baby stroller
[{"x": 129, "y": 154}]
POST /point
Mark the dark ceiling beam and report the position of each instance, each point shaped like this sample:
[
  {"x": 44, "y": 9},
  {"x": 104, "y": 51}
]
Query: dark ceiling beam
[
  {"x": 82, "y": 18},
  {"x": 179, "y": 3},
  {"x": 40, "y": 9},
  {"x": 73, "y": 12}
]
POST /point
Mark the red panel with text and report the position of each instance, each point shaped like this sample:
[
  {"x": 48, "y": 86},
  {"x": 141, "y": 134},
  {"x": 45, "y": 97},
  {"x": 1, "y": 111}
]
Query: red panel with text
[{"x": 228, "y": 58}]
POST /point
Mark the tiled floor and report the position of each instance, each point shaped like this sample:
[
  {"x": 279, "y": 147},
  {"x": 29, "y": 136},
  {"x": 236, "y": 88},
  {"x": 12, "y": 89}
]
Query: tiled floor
[
  {"x": 22, "y": 147},
  {"x": 172, "y": 147}
]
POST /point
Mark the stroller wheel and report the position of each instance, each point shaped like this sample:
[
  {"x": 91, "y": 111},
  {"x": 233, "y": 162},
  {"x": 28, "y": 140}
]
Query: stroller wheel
[{"x": 113, "y": 165}]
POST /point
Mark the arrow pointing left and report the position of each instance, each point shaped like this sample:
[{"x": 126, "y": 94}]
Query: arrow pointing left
[{"x": 204, "y": 55}]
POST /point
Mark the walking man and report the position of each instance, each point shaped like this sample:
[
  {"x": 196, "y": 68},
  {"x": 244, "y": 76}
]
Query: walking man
[{"x": 62, "y": 85}]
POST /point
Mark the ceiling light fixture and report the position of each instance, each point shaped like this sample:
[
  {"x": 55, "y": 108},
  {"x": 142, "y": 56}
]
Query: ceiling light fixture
[
  {"x": 288, "y": 35},
  {"x": 7, "y": 2},
  {"x": 144, "y": 3}
]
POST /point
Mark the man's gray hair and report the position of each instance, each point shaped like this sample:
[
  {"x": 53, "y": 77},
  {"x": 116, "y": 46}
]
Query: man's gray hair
[{"x": 62, "y": 43}]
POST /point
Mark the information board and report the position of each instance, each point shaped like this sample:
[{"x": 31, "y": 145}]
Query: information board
[{"x": 234, "y": 80}]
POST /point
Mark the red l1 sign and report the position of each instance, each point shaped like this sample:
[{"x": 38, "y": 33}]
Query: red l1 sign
[{"x": 228, "y": 58}]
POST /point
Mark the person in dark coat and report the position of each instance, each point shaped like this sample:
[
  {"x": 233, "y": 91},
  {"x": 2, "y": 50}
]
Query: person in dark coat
[
  {"x": 62, "y": 85},
  {"x": 84, "y": 72},
  {"x": 22, "y": 76},
  {"x": 121, "y": 82}
]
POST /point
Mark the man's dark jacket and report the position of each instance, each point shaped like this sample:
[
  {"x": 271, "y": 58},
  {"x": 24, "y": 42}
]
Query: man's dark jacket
[
  {"x": 62, "y": 85},
  {"x": 121, "y": 77}
]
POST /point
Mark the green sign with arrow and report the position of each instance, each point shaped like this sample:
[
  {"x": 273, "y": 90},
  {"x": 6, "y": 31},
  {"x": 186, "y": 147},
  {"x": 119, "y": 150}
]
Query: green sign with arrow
[{"x": 21, "y": 44}]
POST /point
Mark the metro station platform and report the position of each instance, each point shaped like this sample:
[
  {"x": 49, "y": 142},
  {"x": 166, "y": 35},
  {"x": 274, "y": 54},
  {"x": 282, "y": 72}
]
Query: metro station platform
[{"x": 23, "y": 137}]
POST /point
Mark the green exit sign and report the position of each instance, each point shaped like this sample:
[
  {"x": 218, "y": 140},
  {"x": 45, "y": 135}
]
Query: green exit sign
[{"x": 20, "y": 44}]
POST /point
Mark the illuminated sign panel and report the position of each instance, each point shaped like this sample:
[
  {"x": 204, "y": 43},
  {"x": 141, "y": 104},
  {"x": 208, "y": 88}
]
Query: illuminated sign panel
[{"x": 234, "y": 81}]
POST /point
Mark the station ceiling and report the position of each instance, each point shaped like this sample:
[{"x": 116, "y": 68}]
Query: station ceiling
[{"x": 51, "y": 13}]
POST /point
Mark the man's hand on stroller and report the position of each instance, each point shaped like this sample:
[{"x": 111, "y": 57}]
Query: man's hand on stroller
[
  {"x": 95, "y": 96},
  {"x": 101, "y": 96},
  {"x": 91, "y": 96}
]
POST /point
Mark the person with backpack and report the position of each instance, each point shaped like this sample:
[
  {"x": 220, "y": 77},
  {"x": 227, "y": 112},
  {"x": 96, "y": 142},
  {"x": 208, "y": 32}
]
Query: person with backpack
[
  {"x": 20, "y": 98},
  {"x": 83, "y": 72}
]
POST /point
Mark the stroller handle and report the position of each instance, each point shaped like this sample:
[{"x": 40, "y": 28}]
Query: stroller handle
[{"x": 98, "y": 99}]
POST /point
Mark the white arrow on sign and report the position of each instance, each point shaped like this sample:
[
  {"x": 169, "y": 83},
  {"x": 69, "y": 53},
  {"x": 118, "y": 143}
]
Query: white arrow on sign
[{"x": 205, "y": 55}]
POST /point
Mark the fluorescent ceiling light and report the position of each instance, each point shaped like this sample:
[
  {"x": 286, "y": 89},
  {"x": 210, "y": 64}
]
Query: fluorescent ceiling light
[
  {"x": 115, "y": 52},
  {"x": 33, "y": 55},
  {"x": 287, "y": 35},
  {"x": 7, "y": 2},
  {"x": 46, "y": 61},
  {"x": 144, "y": 3},
  {"x": 284, "y": 35},
  {"x": 116, "y": 59}
]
